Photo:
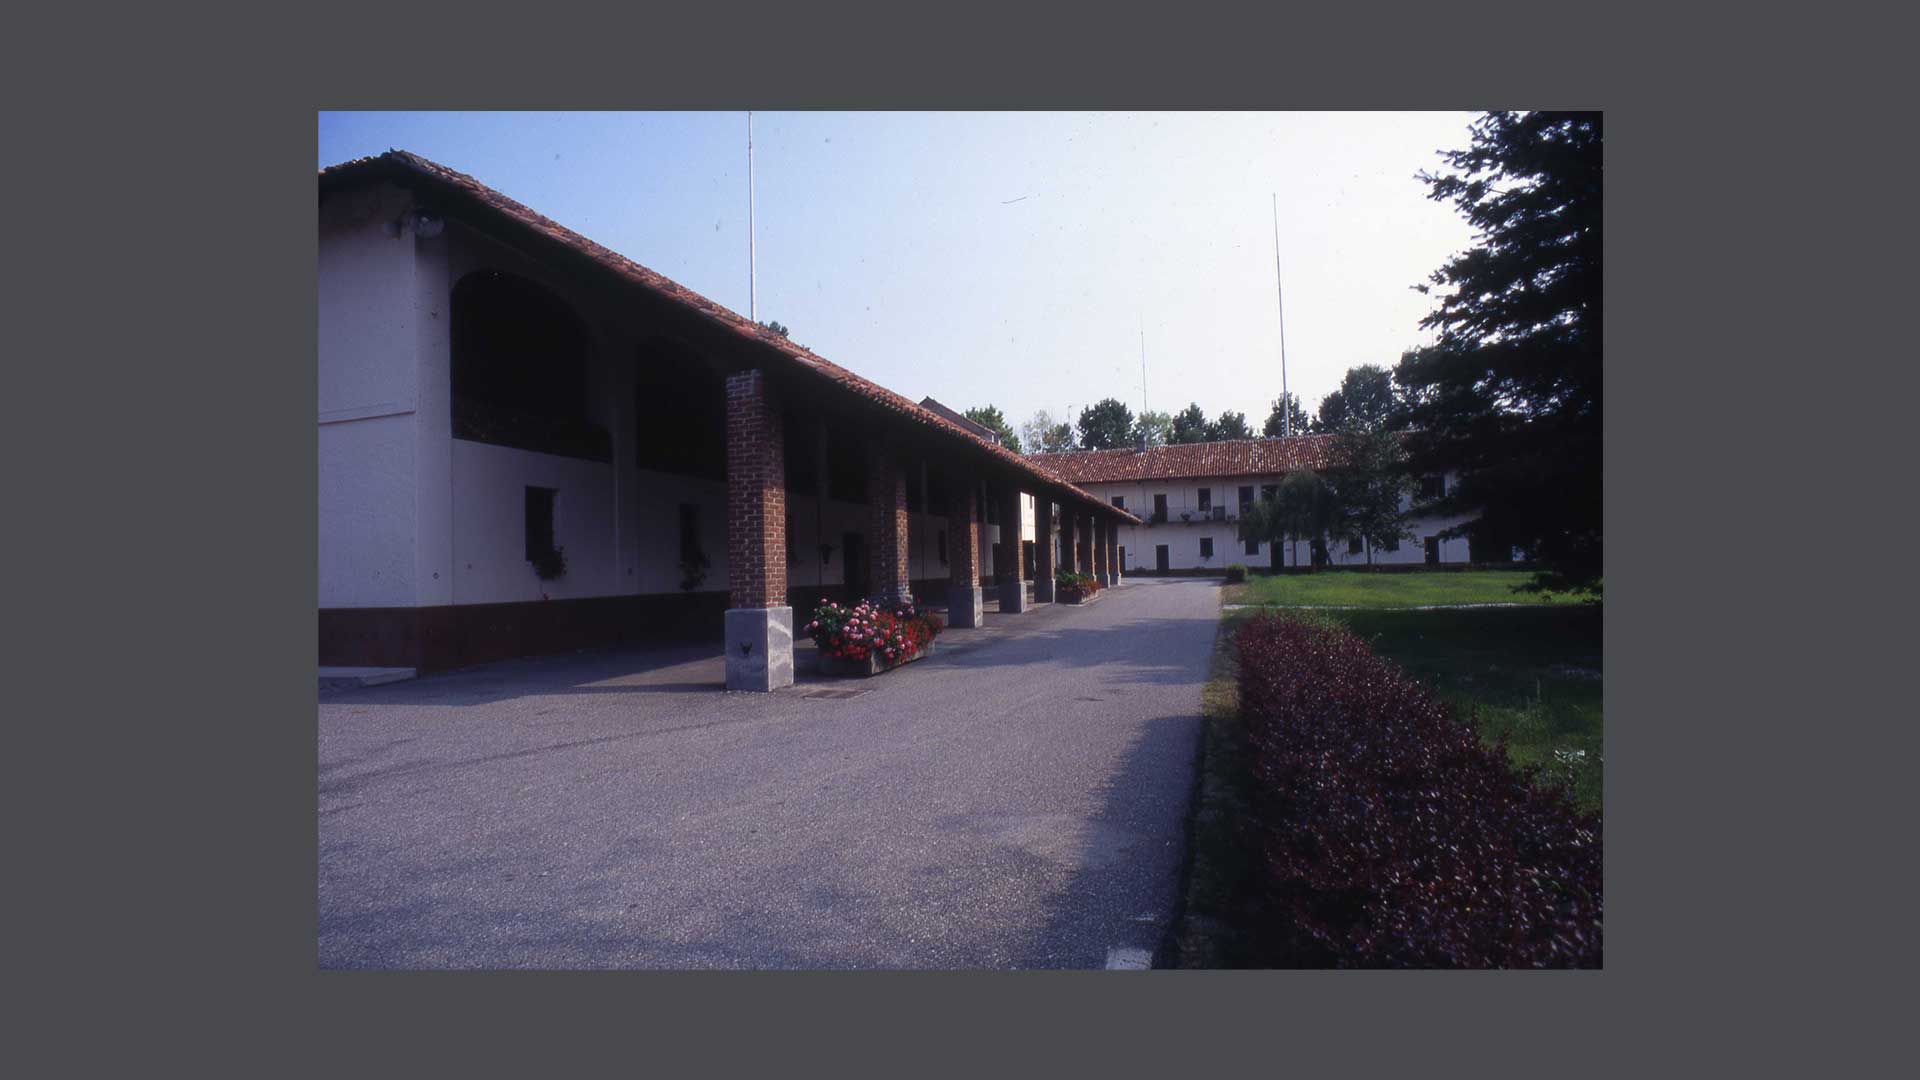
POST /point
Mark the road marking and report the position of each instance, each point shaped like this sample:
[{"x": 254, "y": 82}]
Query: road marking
[{"x": 1122, "y": 958}]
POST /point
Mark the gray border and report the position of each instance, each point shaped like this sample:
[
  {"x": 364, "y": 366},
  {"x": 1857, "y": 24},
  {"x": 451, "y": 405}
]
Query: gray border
[{"x": 189, "y": 692}]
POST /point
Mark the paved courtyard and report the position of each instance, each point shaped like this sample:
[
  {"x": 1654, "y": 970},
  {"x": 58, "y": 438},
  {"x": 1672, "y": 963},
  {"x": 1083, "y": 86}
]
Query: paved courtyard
[{"x": 1015, "y": 801}]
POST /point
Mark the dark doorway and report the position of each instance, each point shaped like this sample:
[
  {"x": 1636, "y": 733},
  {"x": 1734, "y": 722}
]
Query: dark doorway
[
  {"x": 1123, "y": 560},
  {"x": 1275, "y": 558},
  {"x": 1161, "y": 561},
  {"x": 853, "y": 563},
  {"x": 1433, "y": 551}
]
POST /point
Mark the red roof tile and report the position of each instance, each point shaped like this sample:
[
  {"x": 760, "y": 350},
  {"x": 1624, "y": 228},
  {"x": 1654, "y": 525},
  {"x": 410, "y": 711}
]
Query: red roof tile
[
  {"x": 1231, "y": 457},
  {"x": 413, "y": 166}
]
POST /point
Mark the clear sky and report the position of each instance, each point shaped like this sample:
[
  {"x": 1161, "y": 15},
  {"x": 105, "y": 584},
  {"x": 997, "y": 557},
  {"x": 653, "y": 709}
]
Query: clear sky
[{"x": 1005, "y": 258}]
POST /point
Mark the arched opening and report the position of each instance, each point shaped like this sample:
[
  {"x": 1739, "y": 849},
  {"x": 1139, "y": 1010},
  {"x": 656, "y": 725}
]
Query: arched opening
[{"x": 519, "y": 368}]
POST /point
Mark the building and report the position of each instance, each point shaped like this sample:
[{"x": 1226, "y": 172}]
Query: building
[
  {"x": 1190, "y": 497},
  {"x": 530, "y": 443}
]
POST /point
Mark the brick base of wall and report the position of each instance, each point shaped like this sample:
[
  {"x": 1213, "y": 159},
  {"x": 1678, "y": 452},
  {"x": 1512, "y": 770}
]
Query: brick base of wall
[{"x": 460, "y": 635}]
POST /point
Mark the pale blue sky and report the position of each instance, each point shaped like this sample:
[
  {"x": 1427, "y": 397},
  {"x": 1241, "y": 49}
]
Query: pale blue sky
[{"x": 893, "y": 244}]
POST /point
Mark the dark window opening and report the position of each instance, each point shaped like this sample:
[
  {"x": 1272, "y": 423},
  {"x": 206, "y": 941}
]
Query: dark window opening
[
  {"x": 1206, "y": 547},
  {"x": 540, "y": 523},
  {"x": 1354, "y": 546},
  {"x": 1246, "y": 498},
  {"x": 1120, "y": 501},
  {"x": 1206, "y": 500},
  {"x": 1392, "y": 544},
  {"x": 680, "y": 414},
  {"x": 1159, "y": 508},
  {"x": 1253, "y": 547},
  {"x": 1433, "y": 487}
]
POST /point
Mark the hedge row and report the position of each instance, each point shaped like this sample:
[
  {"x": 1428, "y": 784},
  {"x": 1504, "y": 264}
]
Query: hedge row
[{"x": 1388, "y": 835}]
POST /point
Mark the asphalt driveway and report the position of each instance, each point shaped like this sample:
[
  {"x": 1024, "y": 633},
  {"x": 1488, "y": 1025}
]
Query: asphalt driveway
[{"x": 1015, "y": 801}]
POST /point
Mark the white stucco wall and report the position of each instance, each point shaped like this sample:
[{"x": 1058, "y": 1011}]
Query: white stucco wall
[{"x": 1183, "y": 538}]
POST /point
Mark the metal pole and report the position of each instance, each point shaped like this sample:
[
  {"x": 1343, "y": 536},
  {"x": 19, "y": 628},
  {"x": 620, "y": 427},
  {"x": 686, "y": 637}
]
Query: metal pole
[
  {"x": 1143, "y": 367},
  {"x": 753, "y": 280},
  {"x": 1286, "y": 411}
]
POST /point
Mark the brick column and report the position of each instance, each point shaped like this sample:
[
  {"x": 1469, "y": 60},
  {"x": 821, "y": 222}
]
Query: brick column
[
  {"x": 1069, "y": 551},
  {"x": 759, "y": 625},
  {"x": 1012, "y": 576},
  {"x": 1042, "y": 550},
  {"x": 888, "y": 578},
  {"x": 1098, "y": 535},
  {"x": 965, "y": 602}
]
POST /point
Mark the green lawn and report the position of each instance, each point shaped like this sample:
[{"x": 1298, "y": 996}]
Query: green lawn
[{"x": 1364, "y": 588}]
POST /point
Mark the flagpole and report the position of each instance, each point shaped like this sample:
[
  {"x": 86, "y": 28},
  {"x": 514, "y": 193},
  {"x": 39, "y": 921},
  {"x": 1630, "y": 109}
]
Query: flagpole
[
  {"x": 1280, "y": 293},
  {"x": 753, "y": 279}
]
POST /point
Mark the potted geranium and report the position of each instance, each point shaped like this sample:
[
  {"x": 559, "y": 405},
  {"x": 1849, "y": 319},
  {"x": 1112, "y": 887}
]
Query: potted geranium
[
  {"x": 1072, "y": 588},
  {"x": 869, "y": 638}
]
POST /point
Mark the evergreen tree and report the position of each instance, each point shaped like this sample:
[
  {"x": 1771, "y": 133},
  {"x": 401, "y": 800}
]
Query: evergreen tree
[
  {"x": 989, "y": 416},
  {"x": 1509, "y": 397},
  {"x": 1277, "y": 419},
  {"x": 1189, "y": 425},
  {"x": 1106, "y": 425}
]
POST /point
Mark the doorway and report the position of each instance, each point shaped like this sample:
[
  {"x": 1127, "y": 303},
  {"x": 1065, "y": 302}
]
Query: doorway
[
  {"x": 1433, "y": 551},
  {"x": 1161, "y": 561}
]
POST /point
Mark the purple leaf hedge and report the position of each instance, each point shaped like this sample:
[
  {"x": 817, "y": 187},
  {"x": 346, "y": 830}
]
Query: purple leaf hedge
[{"x": 1387, "y": 834}]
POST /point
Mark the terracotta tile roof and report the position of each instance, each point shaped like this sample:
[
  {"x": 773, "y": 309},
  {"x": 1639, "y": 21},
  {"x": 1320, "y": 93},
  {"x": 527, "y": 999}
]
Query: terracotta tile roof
[
  {"x": 1231, "y": 457},
  {"x": 410, "y": 166}
]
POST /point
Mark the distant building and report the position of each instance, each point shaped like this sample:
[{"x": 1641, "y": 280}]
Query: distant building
[{"x": 1189, "y": 499}]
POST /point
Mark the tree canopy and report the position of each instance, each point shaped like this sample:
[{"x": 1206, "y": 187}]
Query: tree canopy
[
  {"x": 1509, "y": 397},
  {"x": 1276, "y": 418},
  {"x": 1189, "y": 425},
  {"x": 1231, "y": 425},
  {"x": 988, "y": 416},
  {"x": 1106, "y": 425},
  {"x": 1043, "y": 435},
  {"x": 1156, "y": 426}
]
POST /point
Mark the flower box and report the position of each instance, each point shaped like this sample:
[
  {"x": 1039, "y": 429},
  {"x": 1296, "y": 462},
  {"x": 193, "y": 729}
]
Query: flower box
[
  {"x": 869, "y": 638},
  {"x": 872, "y": 665}
]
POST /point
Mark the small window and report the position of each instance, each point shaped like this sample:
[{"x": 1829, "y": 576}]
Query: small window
[
  {"x": 1120, "y": 501},
  {"x": 1433, "y": 487},
  {"x": 1354, "y": 546},
  {"x": 540, "y": 523},
  {"x": 1206, "y": 500},
  {"x": 1253, "y": 547},
  {"x": 1246, "y": 498},
  {"x": 1392, "y": 544},
  {"x": 1159, "y": 508},
  {"x": 1206, "y": 547}
]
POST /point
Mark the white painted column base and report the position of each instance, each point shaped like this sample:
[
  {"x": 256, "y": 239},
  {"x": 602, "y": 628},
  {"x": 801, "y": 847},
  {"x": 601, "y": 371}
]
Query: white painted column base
[{"x": 759, "y": 648}]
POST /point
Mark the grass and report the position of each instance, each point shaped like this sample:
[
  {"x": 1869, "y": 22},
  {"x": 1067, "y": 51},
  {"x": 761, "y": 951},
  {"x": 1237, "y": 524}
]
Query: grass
[{"x": 1373, "y": 589}]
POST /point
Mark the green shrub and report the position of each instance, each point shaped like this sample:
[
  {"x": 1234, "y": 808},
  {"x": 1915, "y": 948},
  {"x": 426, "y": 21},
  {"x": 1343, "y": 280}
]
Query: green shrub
[{"x": 1236, "y": 572}]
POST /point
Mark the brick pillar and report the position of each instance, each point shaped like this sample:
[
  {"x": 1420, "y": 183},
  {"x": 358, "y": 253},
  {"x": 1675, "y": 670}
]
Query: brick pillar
[
  {"x": 1042, "y": 550},
  {"x": 888, "y": 578},
  {"x": 1098, "y": 535},
  {"x": 759, "y": 625},
  {"x": 965, "y": 602},
  {"x": 1069, "y": 551},
  {"x": 1012, "y": 576}
]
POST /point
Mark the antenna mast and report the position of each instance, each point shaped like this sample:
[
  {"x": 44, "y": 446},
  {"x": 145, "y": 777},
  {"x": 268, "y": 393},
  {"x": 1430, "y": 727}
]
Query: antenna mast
[
  {"x": 1143, "y": 366},
  {"x": 753, "y": 279},
  {"x": 1280, "y": 292}
]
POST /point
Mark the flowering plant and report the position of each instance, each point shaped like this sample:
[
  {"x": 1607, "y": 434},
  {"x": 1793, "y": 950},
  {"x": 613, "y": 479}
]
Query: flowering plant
[
  {"x": 894, "y": 634},
  {"x": 1071, "y": 587}
]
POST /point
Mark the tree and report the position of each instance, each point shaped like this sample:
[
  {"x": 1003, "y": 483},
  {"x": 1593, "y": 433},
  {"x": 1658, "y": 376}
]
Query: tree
[
  {"x": 1508, "y": 397},
  {"x": 1043, "y": 436},
  {"x": 1366, "y": 392},
  {"x": 1303, "y": 508},
  {"x": 1332, "y": 415},
  {"x": 1156, "y": 426},
  {"x": 1276, "y": 419},
  {"x": 1189, "y": 425},
  {"x": 1368, "y": 488},
  {"x": 989, "y": 416},
  {"x": 1231, "y": 425},
  {"x": 1106, "y": 425},
  {"x": 775, "y": 327}
]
